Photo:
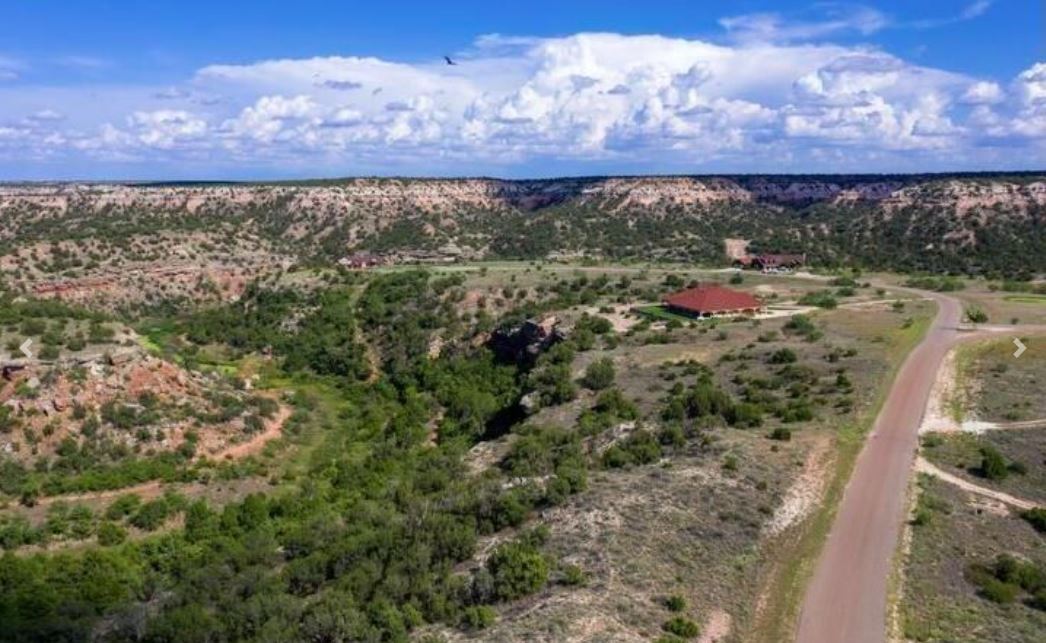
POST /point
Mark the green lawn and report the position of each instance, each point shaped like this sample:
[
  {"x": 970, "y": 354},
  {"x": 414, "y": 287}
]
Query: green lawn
[
  {"x": 1026, "y": 299},
  {"x": 662, "y": 313}
]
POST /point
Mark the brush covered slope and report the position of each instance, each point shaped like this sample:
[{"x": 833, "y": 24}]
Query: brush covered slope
[{"x": 157, "y": 241}]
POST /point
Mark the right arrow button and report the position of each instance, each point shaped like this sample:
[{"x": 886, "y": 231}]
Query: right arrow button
[{"x": 1020, "y": 347}]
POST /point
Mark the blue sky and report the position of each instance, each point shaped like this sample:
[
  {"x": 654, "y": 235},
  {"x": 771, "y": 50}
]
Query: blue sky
[{"x": 270, "y": 89}]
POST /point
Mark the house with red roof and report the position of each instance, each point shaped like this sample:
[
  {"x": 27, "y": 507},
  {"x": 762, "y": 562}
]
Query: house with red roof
[
  {"x": 710, "y": 300},
  {"x": 771, "y": 262}
]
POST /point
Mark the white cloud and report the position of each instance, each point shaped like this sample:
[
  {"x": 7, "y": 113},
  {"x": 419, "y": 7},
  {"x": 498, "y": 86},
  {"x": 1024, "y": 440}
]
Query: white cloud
[
  {"x": 9, "y": 68},
  {"x": 975, "y": 9},
  {"x": 270, "y": 118},
  {"x": 339, "y": 85},
  {"x": 1030, "y": 120},
  {"x": 172, "y": 93},
  {"x": 621, "y": 101},
  {"x": 45, "y": 116},
  {"x": 983, "y": 93},
  {"x": 1031, "y": 84},
  {"x": 833, "y": 20},
  {"x": 166, "y": 128}
]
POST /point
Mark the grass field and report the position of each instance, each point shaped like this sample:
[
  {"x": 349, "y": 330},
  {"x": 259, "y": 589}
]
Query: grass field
[
  {"x": 995, "y": 386},
  {"x": 951, "y": 534},
  {"x": 662, "y": 313},
  {"x": 1023, "y": 449},
  {"x": 953, "y": 530},
  {"x": 1026, "y": 299}
]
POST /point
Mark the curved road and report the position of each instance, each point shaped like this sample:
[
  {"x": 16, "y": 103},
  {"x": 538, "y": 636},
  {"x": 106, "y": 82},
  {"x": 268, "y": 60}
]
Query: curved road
[{"x": 845, "y": 601}]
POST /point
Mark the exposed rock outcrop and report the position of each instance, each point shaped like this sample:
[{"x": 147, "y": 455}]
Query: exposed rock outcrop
[{"x": 523, "y": 344}]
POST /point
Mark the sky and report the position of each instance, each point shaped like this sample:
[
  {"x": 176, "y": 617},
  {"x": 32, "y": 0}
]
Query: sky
[{"x": 268, "y": 90}]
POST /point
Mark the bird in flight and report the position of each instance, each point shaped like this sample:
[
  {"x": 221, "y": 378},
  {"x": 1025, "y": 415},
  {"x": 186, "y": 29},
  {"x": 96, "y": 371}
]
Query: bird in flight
[{"x": 449, "y": 61}]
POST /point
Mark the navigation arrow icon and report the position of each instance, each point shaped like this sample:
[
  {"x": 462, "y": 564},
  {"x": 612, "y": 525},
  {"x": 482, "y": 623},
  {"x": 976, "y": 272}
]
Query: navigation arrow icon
[
  {"x": 1020, "y": 347},
  {"x": 25, "y": 348}
]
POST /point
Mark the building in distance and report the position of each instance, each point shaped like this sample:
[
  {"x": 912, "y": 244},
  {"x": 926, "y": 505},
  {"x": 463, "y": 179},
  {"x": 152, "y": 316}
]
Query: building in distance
[{"x": 711, "y": 300}]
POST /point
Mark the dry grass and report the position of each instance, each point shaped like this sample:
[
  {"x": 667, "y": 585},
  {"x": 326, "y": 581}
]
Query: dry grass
[{"x": 938, "y": 603}]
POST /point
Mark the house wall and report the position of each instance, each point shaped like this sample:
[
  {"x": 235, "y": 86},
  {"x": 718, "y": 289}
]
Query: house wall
[{"x": 726, "y": 313}]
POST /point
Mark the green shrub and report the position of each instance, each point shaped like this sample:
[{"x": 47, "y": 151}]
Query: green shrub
[
  {"x": 1005, "y": 579},
  {"x": 976, "y": 315},
  {"x": 939, "y": 284},
  {"x": 33, "y": 327},
  {"x": 675, "y": 603},
  {"x": 999, "y": 592},
  {"x": 518, "y": 569},
  {"x": 554, "y": 383},
  {"x": 1036, "y": 517},
  {"x": 672, "y": 435},
  {"x": 8, "y": 422},
  {"x": 599, "y": 374},
  {"x": 639, "y": 448},
  {"x": 821, "y": 299},
  {"x": 922, "y": 517},
  {"x": 151, "y": 515},
  {"x": 574, "y": 576},
  {"x": 110, "y": 534},
  {"x": 783, "y": 356},
  {"x": 993, "y": 464},
  {"x": 802, "y": 325},
  {"x": 745, "y": 415},
  {"x": 796, "y": 411},
  {"x": 478, "y": 617},
  {"x": 681, "y": 627}
]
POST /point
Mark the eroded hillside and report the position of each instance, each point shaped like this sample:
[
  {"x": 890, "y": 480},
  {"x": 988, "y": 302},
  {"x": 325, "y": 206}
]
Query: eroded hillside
[{"x": 132, "y": 243}]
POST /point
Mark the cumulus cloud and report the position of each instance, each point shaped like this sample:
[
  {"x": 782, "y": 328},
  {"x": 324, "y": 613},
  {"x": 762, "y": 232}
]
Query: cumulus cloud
[
  {"x": 270, "y": 118},
  {"x": 1030, "y": 120},
  {"x": 759, "y": 103},
  {"x": 166, "y": 128},
  {"x": 983, "y": 93}
]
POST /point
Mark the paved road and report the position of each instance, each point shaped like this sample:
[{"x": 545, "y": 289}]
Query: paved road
[{"x": 846, "y": 599}]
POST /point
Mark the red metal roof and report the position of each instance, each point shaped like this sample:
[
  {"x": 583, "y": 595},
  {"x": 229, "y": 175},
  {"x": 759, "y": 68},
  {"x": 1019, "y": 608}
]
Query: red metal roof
[{"x": 712, "y": 299}]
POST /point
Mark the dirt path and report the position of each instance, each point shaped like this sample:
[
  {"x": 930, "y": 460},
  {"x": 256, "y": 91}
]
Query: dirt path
[
  {"x": 925, "y": 466},
  {"x": 980, "y": 426},
  {"x": 147, "y": 491},
  {"x": 938, "y": 415},
  {"x": 716, "y": 628},
  {"x": 806, "y": 492},
  {"x": 846, "y": 597},
  {"x": 273, "y": 430}
]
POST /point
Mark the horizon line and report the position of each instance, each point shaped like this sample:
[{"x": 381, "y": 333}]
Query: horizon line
[{"x": 480, "y": 177}]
